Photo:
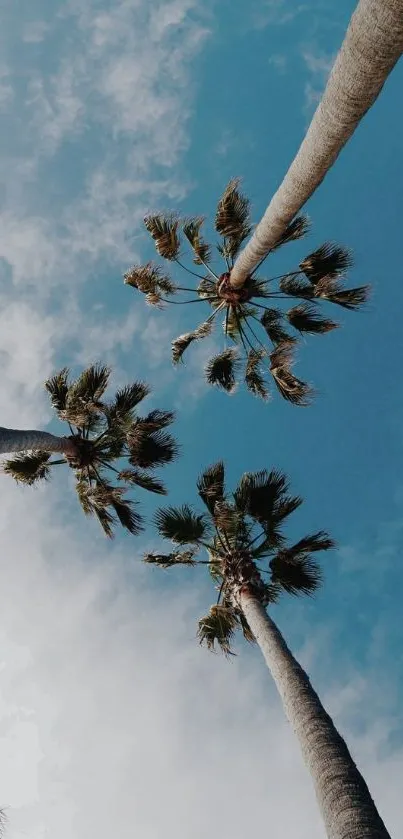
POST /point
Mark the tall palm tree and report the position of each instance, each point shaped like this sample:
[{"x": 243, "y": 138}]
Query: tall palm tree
[
  {"x": 252, "y": 566},
  {"x": 109, "y": 447},
  {"x": 372, "y": 46},
  {"x": 255, "y": 328}
]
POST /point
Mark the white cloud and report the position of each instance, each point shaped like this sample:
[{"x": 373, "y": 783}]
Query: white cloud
[
  {"x": 112, "y": 103},
  {"x": 277, "y": 13},
  {"x": 279, "y": 62},
  {"x": 34, "y": 31},
  {"x": 319, "y": 65}
]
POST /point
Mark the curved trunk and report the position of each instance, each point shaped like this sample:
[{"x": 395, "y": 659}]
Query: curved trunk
[
  {"x": 344, "y": 798},
  {"x": 14, "y": 440},
  {"x": 372, "y": 46}
]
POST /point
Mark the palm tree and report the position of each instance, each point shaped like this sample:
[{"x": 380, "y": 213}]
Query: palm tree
[
  {"x": 255, "y": 331},
  {"x": 372, "y": 46},
  {"x": 252, "y": 566},
  {"x": 109, "y": 447}
]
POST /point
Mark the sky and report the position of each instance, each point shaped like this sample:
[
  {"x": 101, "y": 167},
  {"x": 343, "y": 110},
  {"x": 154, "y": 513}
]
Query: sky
[{"x": 112, "y": 718}]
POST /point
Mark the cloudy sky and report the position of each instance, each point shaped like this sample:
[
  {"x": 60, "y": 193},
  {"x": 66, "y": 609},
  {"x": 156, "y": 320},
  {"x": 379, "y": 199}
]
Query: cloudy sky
[{"x": 112, "y": 719}]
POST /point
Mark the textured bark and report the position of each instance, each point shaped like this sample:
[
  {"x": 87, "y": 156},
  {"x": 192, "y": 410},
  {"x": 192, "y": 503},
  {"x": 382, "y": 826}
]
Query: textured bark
[
  {"x": 12, "y": 440},
  {"x": 372, "y": 46},
  {"x": 344, "y": 798}
]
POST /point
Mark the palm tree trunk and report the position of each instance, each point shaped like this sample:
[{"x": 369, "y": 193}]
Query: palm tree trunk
[
  {"x": 344, "y": 798},
  {"x": 372, "y": 46},
  {"x": 12, "y": 440}
]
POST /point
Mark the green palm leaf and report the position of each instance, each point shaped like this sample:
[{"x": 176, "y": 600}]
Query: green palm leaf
[
  {"x": 149, "y": 450},
  {"x": 329, "y": 260},
  {"x": 348, "y": 298},
  {"x": 222, "y": 370},
  {"x": 57, "y": 387},
  {"x": 254, "y": 378},
  {"x": 141, "y": 479},
  {"x": 305, "y": 318},
  {"x": 296, "y": 286},
  {"x": 218, "y": 627},
  {"x": 126, "y": 400},
  {"x": 28, "y": 469},
  {"x": 259, "y": 494},
  {"x": 272, "y": 322},
  {"x": 181, "y": 525},
  {"x": 210, "y": 485},
  {"x": 297, "y": 229},
  {"x": 156, "y": 420},
  {"x": 296, "y": 574},
  {"x": 90, "y": 385}
]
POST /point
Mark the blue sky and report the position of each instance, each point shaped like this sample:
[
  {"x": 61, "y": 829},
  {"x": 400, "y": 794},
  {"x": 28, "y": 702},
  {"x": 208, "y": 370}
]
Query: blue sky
[{"x": 110, "y": 110}]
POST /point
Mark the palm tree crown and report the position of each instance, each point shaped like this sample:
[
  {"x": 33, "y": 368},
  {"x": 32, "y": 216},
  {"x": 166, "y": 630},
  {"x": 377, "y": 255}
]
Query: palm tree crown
[
  {"x": 114, "y": 448},
  {"x": 255, "y": 327},
  {"x": 246, "y": 547}
]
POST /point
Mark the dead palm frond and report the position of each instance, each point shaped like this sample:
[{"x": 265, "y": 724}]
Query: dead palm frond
[{"x": 163, "y": 227}]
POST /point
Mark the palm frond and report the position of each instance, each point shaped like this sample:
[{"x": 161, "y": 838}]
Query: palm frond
[
  {"x": 258, "y": 494},
  {"x": 94, "y": 503},
  {"x": 28, "y": 468},
  {"x": 180, "y": 524},
  {"x": 149, "y": 450},
  {"x": 218, "y": 627},
  {"x": 257, "y": 288},
  {"x": 141, "y": 479},
  {"x": 348, "y": 298},
  {"x": 125, "y": 512},
  {"x": 57, "y": 387},
  {"x": 272, "y": 322},
  {"x": 191, "y": 229},
  {"x": 285, "y": 507},
  {"x": 234, "y": 320},
  {"x": 305, "y": 318},
  {"x": 163, "y": 227},
  {"x": 329, "y": 260},
  {"x": 254, "y": 378},
  {"x": 291, "y": 388},
  {"x": 227, "y": 518},
  {"x": 246, "y": 630},
  {"x": 232, "y": 218},
  {"x": 90, "y": 385},
  {"x": 222, "y": 370},
  {"x": 126, "y": 400},
  {"x": 297, "y": 229},
  {"x": 296, "y": 575},
  {"x": 169, "y": 560},
  {"x": 107, "y": 503},
  {"x": 150, "y": 280},
  {"x": 183, "y": 341},
  {"x": 297, "y": 286},
  {"x": 210, "y": 485},
  {"x": 320, "y": 541},
  {"x": 156, "y": 419},
  {"x": 206, "y": 288}
]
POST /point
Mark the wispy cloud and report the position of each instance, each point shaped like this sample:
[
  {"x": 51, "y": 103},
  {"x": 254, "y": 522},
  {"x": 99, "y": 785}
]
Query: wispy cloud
[
  {"x": 319, "y": 65},
  {"x": 277, "y": 13}
]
